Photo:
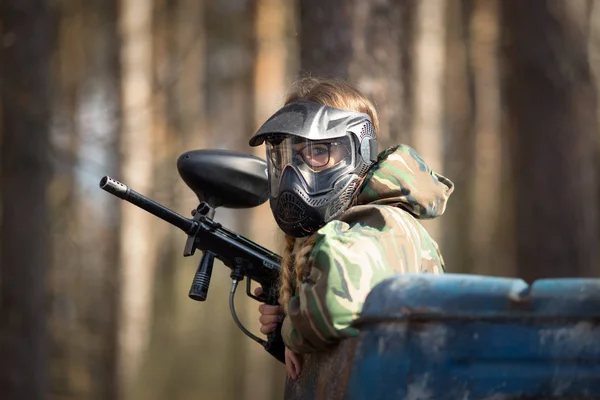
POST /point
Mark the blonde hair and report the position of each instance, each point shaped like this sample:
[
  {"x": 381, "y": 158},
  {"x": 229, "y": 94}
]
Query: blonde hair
[{"x": 333, "y": 93}]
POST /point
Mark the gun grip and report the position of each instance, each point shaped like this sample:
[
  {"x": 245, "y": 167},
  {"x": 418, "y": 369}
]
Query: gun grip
[{"x": 275, "y": 345}]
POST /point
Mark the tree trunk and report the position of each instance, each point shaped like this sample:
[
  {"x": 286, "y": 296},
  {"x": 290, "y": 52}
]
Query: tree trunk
[
  {"x": 27, "y": 32},
  {"x": 594, "y": 54},
  {"x": 64, "y": 313},
  {"x": 428, "y": 69},
  {"x": 97, "y": 292},
  {"x": 82, "y": 279},
  {"x": 326, "y": 37},
  {"x": 379, "y": 63},
  {"x": 367, "y": 43},
  {"x": 459, "y": 124},
  {"x": 552, "y": 124},
  {"x": 138, "y": 261},
  {"x": 488, "y": 254}
]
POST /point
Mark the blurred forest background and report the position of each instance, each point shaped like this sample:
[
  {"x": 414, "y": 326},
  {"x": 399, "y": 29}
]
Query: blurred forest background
[{"x": 498, "y": 95}]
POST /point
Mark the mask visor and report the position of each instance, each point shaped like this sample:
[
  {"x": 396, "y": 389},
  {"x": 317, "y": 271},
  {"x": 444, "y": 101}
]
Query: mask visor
[{"x": 320, "y": 163}]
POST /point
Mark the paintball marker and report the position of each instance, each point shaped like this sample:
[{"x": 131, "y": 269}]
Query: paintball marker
[{"x": 220, "y": 178}]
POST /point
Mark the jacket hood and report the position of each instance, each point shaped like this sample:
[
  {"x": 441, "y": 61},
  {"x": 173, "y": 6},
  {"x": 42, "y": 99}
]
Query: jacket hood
[{"x": 400, "y": 178}]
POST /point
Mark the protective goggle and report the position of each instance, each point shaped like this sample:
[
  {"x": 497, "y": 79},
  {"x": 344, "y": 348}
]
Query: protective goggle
[{"x": 320, "y": 163}]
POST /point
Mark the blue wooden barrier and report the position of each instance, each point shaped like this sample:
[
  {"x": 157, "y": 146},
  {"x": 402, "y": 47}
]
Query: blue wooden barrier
[{"x": 470, "y": 337}]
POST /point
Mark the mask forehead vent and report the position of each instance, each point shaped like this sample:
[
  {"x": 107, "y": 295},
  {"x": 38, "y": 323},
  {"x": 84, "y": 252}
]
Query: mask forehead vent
[{"x": 367, "y": 130}]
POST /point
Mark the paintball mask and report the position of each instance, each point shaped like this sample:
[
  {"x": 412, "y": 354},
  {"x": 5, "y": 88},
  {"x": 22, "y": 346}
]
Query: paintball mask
[{"x": 316, "y": 157}]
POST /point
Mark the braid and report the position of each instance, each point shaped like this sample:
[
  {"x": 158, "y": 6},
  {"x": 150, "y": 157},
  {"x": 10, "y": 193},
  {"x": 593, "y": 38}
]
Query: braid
[
  {"x": 287, "y": 268},
  {"x": 302, "y": 258}
]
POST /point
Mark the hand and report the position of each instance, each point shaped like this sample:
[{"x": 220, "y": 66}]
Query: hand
[
  {"x": 270, "y": 315},
  {"x": 293, "y": 364}
]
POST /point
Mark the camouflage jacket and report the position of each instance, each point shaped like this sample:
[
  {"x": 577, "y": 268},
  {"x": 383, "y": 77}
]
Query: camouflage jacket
[{"x": 376, "y": 238}]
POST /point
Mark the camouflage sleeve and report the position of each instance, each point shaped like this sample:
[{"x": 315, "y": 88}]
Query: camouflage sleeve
[{"x": 347, "y": 261}]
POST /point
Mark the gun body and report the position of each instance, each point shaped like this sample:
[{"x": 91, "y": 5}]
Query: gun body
[
  {"x": 235, "y": 251},
  {"x": 245, "y": 258}
]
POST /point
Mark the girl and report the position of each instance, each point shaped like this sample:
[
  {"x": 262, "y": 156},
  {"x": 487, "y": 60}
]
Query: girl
[{"x": 349, "y": 213}]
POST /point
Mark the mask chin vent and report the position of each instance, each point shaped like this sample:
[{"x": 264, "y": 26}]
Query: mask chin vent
[{"x": 290, "y": 210}]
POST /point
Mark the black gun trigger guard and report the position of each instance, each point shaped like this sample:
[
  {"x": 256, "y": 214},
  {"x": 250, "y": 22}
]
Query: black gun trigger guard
[{"x": 260, "y": 298}]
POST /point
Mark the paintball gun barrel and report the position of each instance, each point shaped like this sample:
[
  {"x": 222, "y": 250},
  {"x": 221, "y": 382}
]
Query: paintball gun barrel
[{"x": 220, "y": 178}]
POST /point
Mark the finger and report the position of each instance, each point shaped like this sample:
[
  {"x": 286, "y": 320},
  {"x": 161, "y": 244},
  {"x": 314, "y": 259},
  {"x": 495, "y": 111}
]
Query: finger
[
  {"x": 289, "y": 367},
  {"x": 266, "y": 329},
  {"x": 266, "y": 309},
  {"x": 297, "y": 363},
  {"x": 258, "y": 291},
  {"x": 269, "y": 319}
]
